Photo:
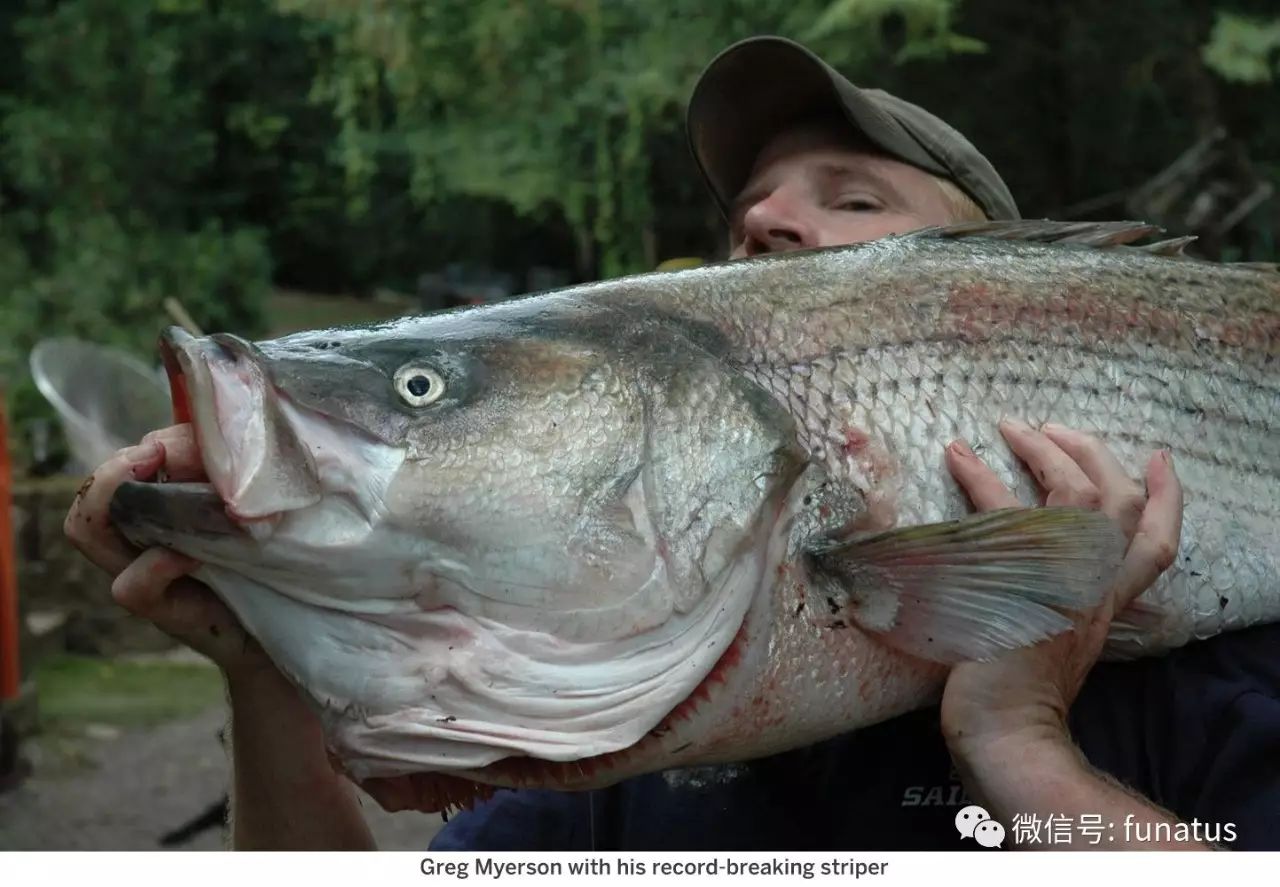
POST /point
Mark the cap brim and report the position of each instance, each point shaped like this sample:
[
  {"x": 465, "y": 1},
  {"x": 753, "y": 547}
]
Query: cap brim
[
  {"x": 756, "y": 89},
  {"x": 748, "y": 94}
]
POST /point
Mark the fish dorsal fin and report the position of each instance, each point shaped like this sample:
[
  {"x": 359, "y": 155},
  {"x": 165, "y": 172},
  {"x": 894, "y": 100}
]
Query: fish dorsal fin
[
  {"x": 1174, "y": 247},
  {"x": 1048, "y": 231},
  {"x": 1095, "y": 234}
]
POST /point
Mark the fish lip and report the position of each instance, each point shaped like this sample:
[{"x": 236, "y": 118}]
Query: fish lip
[
  {"x": 174, "y": 342},
  {"x": 191, "y": 364},
  {"x": 190, "y": 384},
  {"x": 176, "y": 349}
]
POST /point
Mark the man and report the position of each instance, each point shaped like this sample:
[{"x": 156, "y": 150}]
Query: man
[{"x": 797, "y": 158}]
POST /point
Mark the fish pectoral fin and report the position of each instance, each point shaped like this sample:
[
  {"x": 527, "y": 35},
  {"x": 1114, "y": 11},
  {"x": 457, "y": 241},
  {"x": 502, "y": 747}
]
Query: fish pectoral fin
[{"x": 972, "y": 588}]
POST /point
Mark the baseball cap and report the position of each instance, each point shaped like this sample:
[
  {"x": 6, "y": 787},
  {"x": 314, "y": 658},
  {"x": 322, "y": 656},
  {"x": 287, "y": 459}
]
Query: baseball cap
[{"x": 757, "y": 87}]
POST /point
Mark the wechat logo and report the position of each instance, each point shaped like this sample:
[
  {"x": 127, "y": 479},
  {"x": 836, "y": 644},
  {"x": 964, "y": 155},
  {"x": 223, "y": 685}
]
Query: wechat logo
[{"x": 974, "y": 822}]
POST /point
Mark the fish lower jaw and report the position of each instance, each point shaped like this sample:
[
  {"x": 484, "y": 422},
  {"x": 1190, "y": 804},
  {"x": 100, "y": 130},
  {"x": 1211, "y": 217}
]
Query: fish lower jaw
[{"x": 258, "y": 526}]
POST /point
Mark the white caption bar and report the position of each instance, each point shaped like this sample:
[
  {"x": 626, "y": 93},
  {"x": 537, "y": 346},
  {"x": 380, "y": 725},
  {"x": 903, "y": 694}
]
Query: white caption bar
[{"x": 988, "y": 869}]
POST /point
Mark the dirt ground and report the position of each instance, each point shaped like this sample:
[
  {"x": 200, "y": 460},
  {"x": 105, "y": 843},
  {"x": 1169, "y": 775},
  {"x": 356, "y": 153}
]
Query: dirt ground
[{"x": 115, "y": 788}]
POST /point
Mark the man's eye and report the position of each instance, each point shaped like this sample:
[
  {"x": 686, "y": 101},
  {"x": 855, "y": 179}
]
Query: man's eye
[{"x": 857, "y": 204}]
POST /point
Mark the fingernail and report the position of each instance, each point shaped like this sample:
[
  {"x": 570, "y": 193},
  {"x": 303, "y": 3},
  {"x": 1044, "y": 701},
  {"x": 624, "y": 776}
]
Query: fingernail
[
  {"x": 1053, "y": 427},
  {"x": 142, "y": 459},
  {"x": 1167, "y": 455},
  {"x": 960, "y": 448},
  {"x": 1016, "y": 425}
]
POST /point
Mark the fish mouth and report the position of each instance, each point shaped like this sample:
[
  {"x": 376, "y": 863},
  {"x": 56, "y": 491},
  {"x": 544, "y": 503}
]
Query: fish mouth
[{"x": 253, "y": 458}]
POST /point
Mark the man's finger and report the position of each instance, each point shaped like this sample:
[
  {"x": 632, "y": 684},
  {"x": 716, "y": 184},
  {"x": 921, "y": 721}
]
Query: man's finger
[
  {"x": 980, "y": 483},
  {"x": 140, "y": 587},
  {"x": 1122, "y": 499},
  {"x": 1155, "y": 544},
  {"x": 88, "y": 524},
  {"x": 1058, "y": 474},
  {"x": 182, "y": 460}
]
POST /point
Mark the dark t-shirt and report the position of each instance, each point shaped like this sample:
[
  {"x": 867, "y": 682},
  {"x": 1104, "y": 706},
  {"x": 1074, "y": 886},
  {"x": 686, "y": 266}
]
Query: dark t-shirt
[{"x": 1196, "y": 731}]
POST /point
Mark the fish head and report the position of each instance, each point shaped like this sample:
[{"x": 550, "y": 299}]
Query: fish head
[{"x": 525, "y": 530}]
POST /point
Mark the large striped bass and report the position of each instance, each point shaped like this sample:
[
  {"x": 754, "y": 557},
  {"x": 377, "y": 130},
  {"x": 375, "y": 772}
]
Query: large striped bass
[{"x": 703, "y": 516}]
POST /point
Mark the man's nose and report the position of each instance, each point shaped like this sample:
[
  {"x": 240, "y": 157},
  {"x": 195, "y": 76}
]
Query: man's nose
[{"x": 777, "y": 224}]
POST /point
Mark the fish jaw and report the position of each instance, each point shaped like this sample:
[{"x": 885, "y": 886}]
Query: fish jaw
[{"x": 252, "y": 454}]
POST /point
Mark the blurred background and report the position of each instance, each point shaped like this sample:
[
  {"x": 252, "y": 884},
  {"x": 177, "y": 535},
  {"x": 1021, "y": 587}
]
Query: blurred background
[{"x": 263, "y": 166}]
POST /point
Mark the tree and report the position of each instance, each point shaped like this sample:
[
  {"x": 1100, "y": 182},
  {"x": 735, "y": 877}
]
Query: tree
[
  {"x": 106, "y": 147},
  {"x": 559, "y": 107}
]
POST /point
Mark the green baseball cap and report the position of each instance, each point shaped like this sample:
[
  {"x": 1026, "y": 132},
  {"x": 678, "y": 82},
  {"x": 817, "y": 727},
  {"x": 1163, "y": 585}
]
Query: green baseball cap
[{"x": 754, "y": 89}]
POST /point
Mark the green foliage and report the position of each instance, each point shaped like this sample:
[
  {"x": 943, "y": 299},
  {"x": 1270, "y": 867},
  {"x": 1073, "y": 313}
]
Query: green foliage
[
  {"x": 108, "y": 148},
  {"x": 927, "y": 26},
  {"x": 80, "y": 690},
  {"x": 1244, "y": 48},
  {"x": 554, "y": 107},
  {"x": 105, "y": 279}
]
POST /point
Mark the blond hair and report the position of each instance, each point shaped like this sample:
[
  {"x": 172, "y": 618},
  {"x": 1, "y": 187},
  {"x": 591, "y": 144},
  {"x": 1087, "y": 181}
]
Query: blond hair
[{"x": 961, "y": 206}]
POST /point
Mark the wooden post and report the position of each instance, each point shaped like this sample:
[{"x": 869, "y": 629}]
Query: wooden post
[{"x": 9, "y": 677}]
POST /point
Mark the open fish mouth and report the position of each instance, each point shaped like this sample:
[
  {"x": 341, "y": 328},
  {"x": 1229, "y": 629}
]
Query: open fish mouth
[
  {"x": 252, "y": 456},
  {"x": 207, "y": 377}
]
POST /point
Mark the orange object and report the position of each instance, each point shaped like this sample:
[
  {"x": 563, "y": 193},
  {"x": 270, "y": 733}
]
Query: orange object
[{"x": 9, "y": 677}]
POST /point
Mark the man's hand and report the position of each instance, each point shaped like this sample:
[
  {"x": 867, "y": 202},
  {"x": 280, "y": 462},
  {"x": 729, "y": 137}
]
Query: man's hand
[
  {"x": 1005, "y": 721},
  {"x": 285, "y": 795},
  {"x": 151, "y": 584}
]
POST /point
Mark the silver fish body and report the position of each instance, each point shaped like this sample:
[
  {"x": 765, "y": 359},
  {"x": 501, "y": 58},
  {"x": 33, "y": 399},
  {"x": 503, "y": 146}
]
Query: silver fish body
[{"x": 600, "y": 551}]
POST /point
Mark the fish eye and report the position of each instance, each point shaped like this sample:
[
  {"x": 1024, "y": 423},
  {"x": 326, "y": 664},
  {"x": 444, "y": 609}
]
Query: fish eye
[{"x": 419, "y": 386}]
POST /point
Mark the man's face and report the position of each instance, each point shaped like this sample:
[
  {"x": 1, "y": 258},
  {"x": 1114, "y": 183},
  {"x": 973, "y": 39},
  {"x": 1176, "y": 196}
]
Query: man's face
[{"x": 811, "y": 187}]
